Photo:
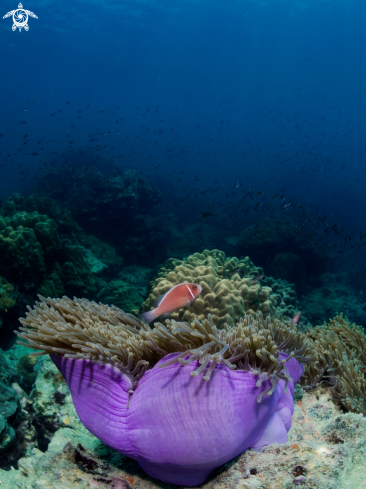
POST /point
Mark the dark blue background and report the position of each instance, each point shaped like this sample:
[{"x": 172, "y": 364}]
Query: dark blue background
[{"x": 231, "y": 90}]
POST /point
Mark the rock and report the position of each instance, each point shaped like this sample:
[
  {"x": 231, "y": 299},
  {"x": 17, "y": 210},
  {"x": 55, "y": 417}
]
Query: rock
[
  {"x": 17, "y": 434},
  {"x": 325, "y": 449},
  {"x": 52, "y": 407}
]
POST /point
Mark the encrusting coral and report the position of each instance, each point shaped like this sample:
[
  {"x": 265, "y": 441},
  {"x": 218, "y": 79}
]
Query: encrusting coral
[
  {"x": 228, "y": 291},
  {"x": 341, "y": 350},
  {"x": 86, "y": 330}
]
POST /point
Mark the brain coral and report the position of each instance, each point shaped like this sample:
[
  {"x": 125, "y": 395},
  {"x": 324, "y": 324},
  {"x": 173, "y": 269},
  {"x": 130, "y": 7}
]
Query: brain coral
[{"x": 227, "y": 290}]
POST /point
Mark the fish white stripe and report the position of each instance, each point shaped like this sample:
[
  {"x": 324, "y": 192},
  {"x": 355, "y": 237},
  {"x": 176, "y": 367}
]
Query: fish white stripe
[{"x": 190, "y": 291}]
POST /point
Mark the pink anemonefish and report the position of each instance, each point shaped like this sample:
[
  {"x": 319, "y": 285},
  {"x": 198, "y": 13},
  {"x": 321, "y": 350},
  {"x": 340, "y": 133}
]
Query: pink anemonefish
[{"x": 179, "y": 296}]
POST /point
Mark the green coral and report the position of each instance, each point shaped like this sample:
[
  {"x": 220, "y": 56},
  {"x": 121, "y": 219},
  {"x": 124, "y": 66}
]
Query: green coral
[
  {"x": 101, "y": 251},
  {"x": 8, "y": 295},
  {"x": 26, "y": 373},
  {"x": 8, "y": 405},
  {"x": 122, "y": 295},
  {"x": 42, "y": 205},
  {"x": 31, "y": 249},
  {"x": 20, "y": 251},
  {"x": 52, "y": 285}
]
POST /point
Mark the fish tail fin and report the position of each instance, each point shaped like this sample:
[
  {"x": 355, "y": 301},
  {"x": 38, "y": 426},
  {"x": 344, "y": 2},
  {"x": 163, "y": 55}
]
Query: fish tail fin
[{"x": 149, "y": 316}]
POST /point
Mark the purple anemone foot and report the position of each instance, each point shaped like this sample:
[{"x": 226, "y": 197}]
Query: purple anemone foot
[{"x": 179, "y": 428}]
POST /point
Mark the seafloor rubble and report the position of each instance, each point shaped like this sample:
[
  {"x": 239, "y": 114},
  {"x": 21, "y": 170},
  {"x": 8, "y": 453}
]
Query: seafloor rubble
[{"x": 326, "y": 449}]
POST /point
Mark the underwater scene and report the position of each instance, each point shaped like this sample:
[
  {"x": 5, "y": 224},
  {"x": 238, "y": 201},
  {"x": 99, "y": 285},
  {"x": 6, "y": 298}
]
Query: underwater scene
[{"x": 182, "y": 244}]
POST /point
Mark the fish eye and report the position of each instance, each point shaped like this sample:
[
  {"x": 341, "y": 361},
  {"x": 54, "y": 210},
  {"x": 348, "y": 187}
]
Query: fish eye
[{"x": 194, "y": 287}]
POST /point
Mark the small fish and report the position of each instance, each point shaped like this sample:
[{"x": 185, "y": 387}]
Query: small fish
[
  {"x": 30, "y": 101},
  {"x": 296, "y": 318},
  {"x": 24, "y": 110},
  {"x": 205, "y": 215},
  {"x": 256, "y": 278},
  {"x": 181, "y": 295},
  {"x": 238, "y": 270}
]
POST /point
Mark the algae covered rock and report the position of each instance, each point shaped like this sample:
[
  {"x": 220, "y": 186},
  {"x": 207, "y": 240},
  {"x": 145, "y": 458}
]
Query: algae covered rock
[
  {"x": 325, "y": 449},
  {"x": 8, "y": 404},
  {"x": 122, "y": 295},
  {"x": 26, "y": 373},
  {"x": 17, "y": 434},
  {"x": 52, "y": 407},
  {"x": 228, "y": 291}
]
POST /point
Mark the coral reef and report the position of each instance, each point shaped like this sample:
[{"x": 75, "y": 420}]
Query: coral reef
[
  {"x": 284, "y": 251},
  {"x": 331, "y": 294},
  {"x": 228, "y": 291},
  {"x": 47, "y": 254},
  {"x": 187, "y": 239},
  {"x": 287, "y": 303},
  {"x": 137, "y": 276},
  {"x": 8, "y": 296},
  {"x": 103, "y": 203},
  {"x": 26, "y": 373},
  {"x": 8, "y": 405},
  {"x": 122, "y": 295},
  {"x": 50, "y": 402},
  {"x": 17, "y": 435},
  {"x": 341, "y": 351}
]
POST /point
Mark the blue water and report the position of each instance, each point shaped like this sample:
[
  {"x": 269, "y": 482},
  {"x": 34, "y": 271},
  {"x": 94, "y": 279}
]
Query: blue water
[{"x": 201, "y": 95}]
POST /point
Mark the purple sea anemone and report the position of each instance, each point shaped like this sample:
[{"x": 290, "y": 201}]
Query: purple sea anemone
[{"x": 180, "y": 398}]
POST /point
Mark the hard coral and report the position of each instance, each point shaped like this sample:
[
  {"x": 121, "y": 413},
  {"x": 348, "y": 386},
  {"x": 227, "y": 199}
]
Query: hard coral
[
  {"x": 228, "y": 293},
  {"x": 8, "y": 295},
  {"x": 121, "y": 295},
  {"x": 287, "y": 250},
  {"x": 102, "y": 203},
  {"x": 46, "y": 254},
  {"x": 25, "y": 369}
]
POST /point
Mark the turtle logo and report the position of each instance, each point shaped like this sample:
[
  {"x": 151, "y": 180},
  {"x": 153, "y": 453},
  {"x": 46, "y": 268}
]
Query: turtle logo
[{"x": 20, "y": 18}]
